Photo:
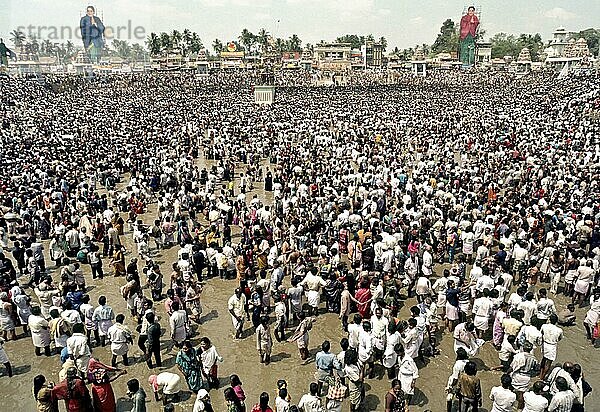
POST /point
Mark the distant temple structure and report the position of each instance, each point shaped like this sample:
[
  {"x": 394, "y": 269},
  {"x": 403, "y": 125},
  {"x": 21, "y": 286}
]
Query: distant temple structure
[
  {"x": 524, "y": 61},
  {"x": 564, "y": 53},
  {"x": 418, "y": 63}
]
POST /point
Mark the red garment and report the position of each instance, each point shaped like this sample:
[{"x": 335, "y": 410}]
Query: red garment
[
  {"x": 78, "y": 400},
  {"x": 256, "y": 408},
  {"x": 364, "y": 308},
  {"x": 468, "y": 25},
  {"x": 103, "y": 397},
  {"x": 343, "y": 240}
]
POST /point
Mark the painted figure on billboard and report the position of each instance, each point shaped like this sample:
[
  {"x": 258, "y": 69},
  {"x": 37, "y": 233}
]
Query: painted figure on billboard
[
  {"x": 92, "y": 33},
  {"x": 468, "y": 30}
]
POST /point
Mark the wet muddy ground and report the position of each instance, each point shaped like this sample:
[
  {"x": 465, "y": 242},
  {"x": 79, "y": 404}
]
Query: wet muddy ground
[{"x": 241, "y": 357}]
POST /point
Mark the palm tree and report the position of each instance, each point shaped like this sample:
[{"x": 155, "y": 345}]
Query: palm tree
[
  {"x": 176, "y": 38},
  {"x": 247, "y": 39},
  {"x": 195, "y": 43},
  {"x": 18, "y": 38},
  {"x": 217, "y": 46},
  {"x": 280, "y": 45},
  {"x": 295, "y": 43},
  {"x": 69, "y": 47},
  {"x": 165, "y": 41},
  {"x": 33, "y": 46},
  {"x": 153, "y": 43},
  {"x": 122, "y": 48},
  {"x": 187, "y": 42},
  {"x": 46, "y": 47},
  {"x": 262, "y": 38},
  {"x": 383, "y": 42},
  {"x": 137, "y": 52},
  {"x": 61, "y": 52}
]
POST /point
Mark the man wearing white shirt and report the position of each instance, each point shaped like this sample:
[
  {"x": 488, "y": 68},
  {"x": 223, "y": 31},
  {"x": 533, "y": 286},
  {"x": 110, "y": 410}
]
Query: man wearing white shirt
[
  {"x": 562, "y": 401},
  {"x": 551, "y": 334},
  {"x": 502, "y": 397},
  {"x": 365, "y": 348},
  {"x": 408, "y": 373},
  {"x": 427, "y": 265},
  {"x": 78, "y": 349},
  {"x": 534, "y": 400},
  {"x": 354, "y": 330},
  {"x": 310, "y": 402},
  {"x": 482, "y": 310},
  {"x": 545, "y": 306}
]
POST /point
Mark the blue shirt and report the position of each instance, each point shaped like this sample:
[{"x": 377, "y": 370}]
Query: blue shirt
[{"x": 324, "y": 361}]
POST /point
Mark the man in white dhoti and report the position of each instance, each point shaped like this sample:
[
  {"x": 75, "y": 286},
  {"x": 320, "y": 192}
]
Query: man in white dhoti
[
  {"x": 365, "y": 349},
  {"x": 178, "y": 324},
  {"x": 120, "y": 338},
  {"x": 482, "y": 311},
  {"x": 312, "y": 284},
  {"x": 40, "y": 331},
  {"x": 551, "y": 334},
  {"x": 103, "y": 316},
  {"x": 407, "y": 374},
  {"x": 236, "y": 305},
  {"x": 522, "y": 368},
  {"x": 78, "y": 349},
  {"x": 379, "y": 325},
  {"x": 390, "y": 354}
]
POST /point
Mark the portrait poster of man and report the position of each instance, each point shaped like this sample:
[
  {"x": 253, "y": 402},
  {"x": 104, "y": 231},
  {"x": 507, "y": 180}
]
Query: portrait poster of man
[
  {"x": 92, "y": 34},
  {"x": 5, "y": 54},
  {"x": 468, "y": 30}
]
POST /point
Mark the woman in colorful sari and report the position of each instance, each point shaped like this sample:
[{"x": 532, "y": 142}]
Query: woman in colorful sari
[
  {"x": 190, "y": 366},
  {"x": 498, "y": 330},
  {"x": 363, "y": 296},
  {"x": 42, "y": 393},
  {"x": 98, "y": 230},
  {"x": 209, "y": 358},
  {"x": 183, "y": 231},
  {"x": 118, "y": 261}
]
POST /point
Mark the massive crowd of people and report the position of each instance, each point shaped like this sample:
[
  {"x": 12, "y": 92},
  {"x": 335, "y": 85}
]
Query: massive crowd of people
[{"x": 472, "y": 199}]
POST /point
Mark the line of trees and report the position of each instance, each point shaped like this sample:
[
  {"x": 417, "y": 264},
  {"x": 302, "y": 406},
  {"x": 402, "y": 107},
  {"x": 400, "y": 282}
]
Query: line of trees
[
  {"x": 252, "y": 43},
  {"x": 356, "y": 41},
  {"x": 34, "y": 47},
  {"x": 504, "y": 44},
  {"x": 187, "y": 42}
]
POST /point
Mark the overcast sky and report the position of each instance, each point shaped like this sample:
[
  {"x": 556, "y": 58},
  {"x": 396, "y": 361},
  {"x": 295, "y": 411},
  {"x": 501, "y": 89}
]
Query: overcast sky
[{"x": 404, "y": 23}]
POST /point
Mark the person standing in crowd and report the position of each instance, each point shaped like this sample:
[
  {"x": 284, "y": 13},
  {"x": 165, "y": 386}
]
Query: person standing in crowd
[
  {"x": 42, "y": 393},
  {"x": 210, "y": 359},
  {"x": 502, "y": 397},
  {"x": 236, "y": 306},
  {"x": 103, "y": 316},
  {"x": 395, "y": 398},
  {"x": 188, "y": 363},
  {"x": 469, "y": 389},
  {"x": 153, "y": 342},
  {"x": 264, "y": 341},
  {"x": 74, "y": 392},
  {"x": 137, "y": 395},
  {"x": 120, "y": 338}
]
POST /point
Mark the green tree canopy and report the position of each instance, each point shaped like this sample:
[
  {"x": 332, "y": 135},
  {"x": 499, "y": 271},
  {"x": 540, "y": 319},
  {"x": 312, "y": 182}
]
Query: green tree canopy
[
  {"x": 447, "y": 39},
  {"x": 504, "y": 45}
]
